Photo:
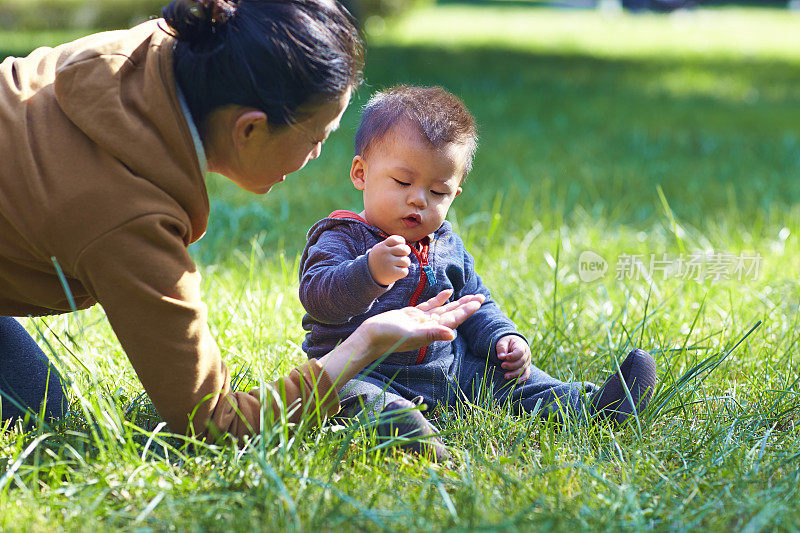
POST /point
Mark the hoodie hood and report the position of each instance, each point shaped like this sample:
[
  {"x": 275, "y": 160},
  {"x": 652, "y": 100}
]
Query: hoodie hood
[
  {"x": 338, "y": 218},
  {"x": 118, "y": 88},
  {"x": 344, "y": 217}
]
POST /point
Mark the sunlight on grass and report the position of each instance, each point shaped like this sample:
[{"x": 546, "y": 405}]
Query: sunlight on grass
[
  {"x": 746, "y": 35},
  {"x": 719, "y": 33}
]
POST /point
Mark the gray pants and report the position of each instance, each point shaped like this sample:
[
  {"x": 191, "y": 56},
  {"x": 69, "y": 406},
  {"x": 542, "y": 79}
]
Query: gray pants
[{"x": 469, "y": 378}]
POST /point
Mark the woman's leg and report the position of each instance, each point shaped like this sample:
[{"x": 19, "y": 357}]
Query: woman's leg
[{"x": 26, "y": 376}]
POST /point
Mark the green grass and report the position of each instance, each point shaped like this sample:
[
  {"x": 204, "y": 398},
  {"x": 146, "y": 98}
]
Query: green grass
[
  {"x": 631, "y": 135},
  {"x": 37, "y": 15},
  {"x": 19, "y": 43}
]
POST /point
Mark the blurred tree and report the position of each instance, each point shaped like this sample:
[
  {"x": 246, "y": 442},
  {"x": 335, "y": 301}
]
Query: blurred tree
[
  {"x": 114, "y": 14},
  {"x": 671, "y": 5},
  {"x": 76, "y": 14},
  {"x": 363, "y": 10}
]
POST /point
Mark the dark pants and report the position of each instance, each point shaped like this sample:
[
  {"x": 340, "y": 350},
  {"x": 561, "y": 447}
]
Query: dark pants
[
  {"x": 469, "y": 378},
  {"x": 26, "y": 376}
]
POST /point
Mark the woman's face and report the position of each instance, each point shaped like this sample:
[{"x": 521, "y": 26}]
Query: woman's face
[{"x": 263, "y": 154}]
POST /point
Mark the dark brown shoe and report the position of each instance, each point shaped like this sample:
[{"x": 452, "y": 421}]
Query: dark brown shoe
[
  {"x": 402, "y": 419},
  {"x": 638, "y": 371}
]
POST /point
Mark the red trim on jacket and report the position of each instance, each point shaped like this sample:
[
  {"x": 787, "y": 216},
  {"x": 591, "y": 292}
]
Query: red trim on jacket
[
  {"x": 345, "y": 214},
  {"x": 421, "y": 255}
]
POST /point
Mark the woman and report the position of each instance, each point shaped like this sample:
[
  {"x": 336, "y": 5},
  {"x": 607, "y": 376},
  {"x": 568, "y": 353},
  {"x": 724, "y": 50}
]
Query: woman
[{"x": 105, "y": 143}]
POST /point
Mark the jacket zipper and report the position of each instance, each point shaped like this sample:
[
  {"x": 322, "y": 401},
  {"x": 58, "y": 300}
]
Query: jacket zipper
[{"x": 422, "y": 257}]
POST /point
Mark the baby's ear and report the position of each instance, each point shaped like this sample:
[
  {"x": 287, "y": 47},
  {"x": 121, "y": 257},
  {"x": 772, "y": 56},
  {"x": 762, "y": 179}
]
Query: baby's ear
[
  {"x": 459, "y": 191},
  {"x": 358, "y": 172}
]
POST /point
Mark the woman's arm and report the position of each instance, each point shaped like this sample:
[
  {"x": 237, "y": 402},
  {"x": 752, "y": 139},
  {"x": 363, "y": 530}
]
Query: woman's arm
[{"x": 311, "y": 391}]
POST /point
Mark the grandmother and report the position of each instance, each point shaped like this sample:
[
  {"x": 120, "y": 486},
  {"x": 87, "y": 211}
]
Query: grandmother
[{"x": 105, "y": 143}]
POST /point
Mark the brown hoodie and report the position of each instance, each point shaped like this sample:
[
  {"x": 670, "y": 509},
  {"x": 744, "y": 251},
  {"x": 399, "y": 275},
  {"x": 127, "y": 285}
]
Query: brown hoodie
[{"x": 98, "y": 169}]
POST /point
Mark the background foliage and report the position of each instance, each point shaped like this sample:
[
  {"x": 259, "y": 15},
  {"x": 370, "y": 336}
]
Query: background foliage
[
  {"x": 37, "y": 15},
  {"x": 76, "y": 14}
]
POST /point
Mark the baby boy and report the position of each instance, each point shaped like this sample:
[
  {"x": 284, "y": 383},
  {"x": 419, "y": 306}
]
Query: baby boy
[{"x": 413, "y": 149}]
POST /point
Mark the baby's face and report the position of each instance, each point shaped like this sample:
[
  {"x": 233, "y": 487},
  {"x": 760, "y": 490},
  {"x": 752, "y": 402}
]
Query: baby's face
[{"x": 408, "y": 184}]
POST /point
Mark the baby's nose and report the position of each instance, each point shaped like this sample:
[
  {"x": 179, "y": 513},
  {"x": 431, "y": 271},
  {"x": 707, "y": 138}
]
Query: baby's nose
[{"x": 417, "y": 198}]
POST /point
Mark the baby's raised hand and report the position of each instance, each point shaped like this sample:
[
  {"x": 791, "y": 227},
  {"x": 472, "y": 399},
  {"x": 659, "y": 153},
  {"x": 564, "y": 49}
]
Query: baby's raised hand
[
  {"x": 388, "y": 260},
  {"x": 515, "y": 355}
]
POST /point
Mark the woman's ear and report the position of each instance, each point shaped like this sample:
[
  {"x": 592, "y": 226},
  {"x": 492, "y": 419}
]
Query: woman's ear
[
  {"x": 230, "y": 130},
  {"x": 248, "y": 125},
  {"x": 358, "y": 172}
]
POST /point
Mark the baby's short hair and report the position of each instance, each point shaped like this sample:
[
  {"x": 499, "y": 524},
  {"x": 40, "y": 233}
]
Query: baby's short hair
[{"x": 441, "y": 117}]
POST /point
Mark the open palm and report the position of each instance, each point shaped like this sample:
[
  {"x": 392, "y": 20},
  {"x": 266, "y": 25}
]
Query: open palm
[{"x": 411, "y": 328}]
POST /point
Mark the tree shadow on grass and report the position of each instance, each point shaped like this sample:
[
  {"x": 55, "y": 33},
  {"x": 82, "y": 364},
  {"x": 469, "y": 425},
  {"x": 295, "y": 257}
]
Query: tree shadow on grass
[
  {"x": 697, "y": 127},
  {"x": 563, "y": 133}
]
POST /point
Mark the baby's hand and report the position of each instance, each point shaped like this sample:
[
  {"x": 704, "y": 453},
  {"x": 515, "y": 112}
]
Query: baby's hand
[
  {"x": 388, "y": 260},
  {"x": 515, "y": 355}
]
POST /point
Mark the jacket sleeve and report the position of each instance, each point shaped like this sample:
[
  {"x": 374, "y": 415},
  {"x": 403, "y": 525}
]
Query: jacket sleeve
[
  {"x": 489, "y": 324},
  {"x": 335, "y": 281},
  {"x": 149, "y": 287}
]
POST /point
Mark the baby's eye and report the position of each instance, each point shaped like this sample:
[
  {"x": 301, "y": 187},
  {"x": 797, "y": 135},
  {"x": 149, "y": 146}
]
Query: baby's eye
[
  {"x": 401, "y": 183},
  {"x": 437, "y": 193}
]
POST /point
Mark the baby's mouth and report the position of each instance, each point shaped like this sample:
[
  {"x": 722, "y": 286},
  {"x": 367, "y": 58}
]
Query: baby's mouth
[{"x": 413, "y": 219}]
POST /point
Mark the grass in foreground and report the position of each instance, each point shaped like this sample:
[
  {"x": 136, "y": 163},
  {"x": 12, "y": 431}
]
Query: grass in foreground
[{"x": 624, "y": 150}]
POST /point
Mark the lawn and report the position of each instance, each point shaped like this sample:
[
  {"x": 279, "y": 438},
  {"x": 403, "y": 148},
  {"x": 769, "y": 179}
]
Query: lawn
[{"x": 668, "y": 147}]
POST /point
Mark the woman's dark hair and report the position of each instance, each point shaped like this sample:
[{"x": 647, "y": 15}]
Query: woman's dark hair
[{"x": 274, "y": 55}]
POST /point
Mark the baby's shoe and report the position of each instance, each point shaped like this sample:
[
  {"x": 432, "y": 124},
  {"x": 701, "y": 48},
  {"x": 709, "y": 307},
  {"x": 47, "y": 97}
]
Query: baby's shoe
[
  {"x": 639, "y": 372},
  {"x": 400, "y": 418}
]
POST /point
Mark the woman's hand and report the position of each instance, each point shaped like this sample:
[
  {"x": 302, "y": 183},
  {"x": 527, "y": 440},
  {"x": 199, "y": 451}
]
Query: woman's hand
[
  {"x": 404, "y": 329},
  {"x": 411, "y": 328}
]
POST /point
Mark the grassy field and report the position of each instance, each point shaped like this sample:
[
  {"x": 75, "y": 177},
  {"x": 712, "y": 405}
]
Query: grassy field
[{"x": 668, "y": 146}]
